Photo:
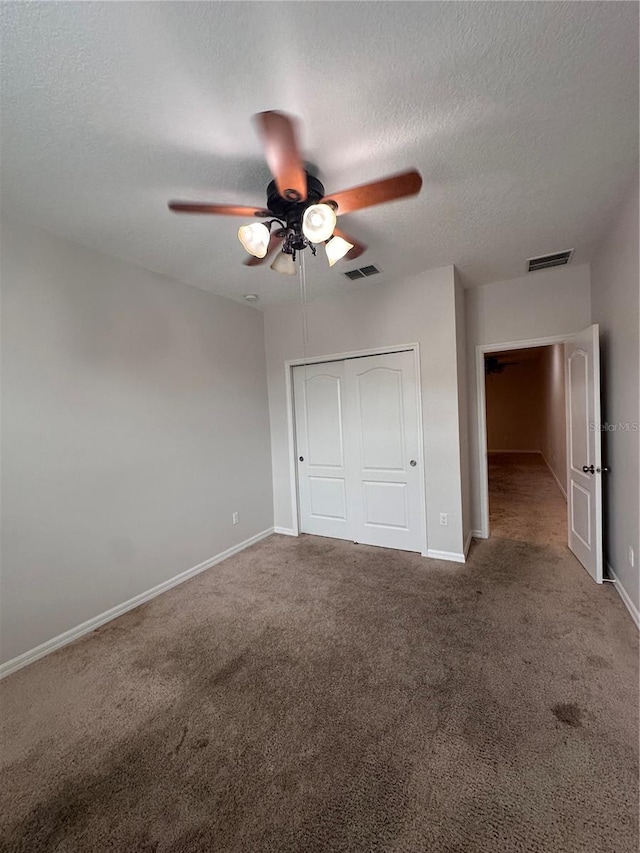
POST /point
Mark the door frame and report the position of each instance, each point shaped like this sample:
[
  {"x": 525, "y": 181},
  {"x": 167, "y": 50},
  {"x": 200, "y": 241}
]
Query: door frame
[
  {"x": 291, "y": 432},
  {"x": 483, "y": 467}
]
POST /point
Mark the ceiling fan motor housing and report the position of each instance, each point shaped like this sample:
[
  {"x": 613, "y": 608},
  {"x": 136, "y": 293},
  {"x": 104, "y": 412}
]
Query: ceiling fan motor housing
[{"x": 293, "y": 211}]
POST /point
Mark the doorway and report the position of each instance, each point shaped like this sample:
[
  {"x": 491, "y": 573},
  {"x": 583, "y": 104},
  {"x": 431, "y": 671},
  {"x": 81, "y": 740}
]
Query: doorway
[
  {"x": 358, "y": 439},
  {"x": 526, "y": 444},
  {"x": 584, "y": 468}
]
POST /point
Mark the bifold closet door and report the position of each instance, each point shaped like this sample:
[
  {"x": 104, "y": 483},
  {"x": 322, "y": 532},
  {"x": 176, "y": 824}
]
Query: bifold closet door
[
  {"x": 319, "y": 406},
  {"x": 384, "y": 503},
  {"x": 357, "y": 440}
]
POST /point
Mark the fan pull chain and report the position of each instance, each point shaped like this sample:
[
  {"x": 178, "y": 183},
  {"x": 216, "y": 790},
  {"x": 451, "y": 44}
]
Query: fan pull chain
[{"x": 303, "y": 304}]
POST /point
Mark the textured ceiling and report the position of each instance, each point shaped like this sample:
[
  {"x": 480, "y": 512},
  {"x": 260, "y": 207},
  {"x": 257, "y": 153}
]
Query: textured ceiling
[{"x": 521, "y": 117}]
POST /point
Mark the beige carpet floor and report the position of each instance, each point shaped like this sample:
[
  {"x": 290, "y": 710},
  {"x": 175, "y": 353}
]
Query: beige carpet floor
[
  {"x": 312, "y": 695},
  {"x": 525, "y": 502}
]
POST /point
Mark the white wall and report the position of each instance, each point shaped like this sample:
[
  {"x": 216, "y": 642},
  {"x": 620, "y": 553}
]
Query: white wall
[
  {"x": 542, "y": 304},
  {"x": 554, "y": 433},
  {"x": 614, "y": 294},
  {"x": 420, "y": 309},
  {"x": 135, "y": 422}
]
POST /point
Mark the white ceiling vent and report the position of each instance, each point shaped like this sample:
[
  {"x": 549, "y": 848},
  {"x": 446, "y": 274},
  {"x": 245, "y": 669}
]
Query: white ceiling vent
[
  {"x": 363, "y": 272},
  {"x": 558, "y": 259}
]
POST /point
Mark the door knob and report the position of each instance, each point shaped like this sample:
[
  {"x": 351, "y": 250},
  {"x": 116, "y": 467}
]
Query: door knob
[
  {"x": 588, "y": 469},
  {"x": 413, "y": 463},
  {"x": 602, "y": 470},
  {"x": 302, "y": 458}
]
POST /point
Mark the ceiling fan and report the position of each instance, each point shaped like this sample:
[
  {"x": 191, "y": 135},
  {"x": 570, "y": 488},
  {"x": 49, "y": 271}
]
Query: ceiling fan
[{"x": 304, "y": 215}]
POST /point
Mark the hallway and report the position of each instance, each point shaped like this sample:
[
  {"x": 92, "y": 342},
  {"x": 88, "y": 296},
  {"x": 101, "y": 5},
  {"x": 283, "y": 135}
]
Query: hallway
[{"x": 525, "y": 502}]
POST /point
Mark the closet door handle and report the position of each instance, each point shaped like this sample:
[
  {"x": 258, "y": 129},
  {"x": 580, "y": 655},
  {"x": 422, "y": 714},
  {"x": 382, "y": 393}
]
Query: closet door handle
[{"x": 413, "y": 463}]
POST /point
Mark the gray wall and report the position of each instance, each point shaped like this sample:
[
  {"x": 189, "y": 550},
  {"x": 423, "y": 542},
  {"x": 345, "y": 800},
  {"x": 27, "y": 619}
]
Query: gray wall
[
  {"x": 463, "y": 406},
  {"x": 614, "y": 296},
  {"x": 421, "y": 310},
  {"x": 554, "y": 434},
  {"x": 541, "y": 304},
  {"x": 135, "y": 422}
]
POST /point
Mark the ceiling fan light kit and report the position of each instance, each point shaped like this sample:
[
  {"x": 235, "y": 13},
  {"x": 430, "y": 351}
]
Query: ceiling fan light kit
[
  {"x": 284, "y": 263},
  {"x": 336, "y": 248},
  {"x": 318, "y": 223},
  {"x": 255, "y": 238},
  {"x": 296, "y": 200}
]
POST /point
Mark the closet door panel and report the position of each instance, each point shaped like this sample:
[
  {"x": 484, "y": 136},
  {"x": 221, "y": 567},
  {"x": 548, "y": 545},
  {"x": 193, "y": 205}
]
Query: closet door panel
[
  {"x": 382, "y": 443},
  {"x": 318, "y": 399}
]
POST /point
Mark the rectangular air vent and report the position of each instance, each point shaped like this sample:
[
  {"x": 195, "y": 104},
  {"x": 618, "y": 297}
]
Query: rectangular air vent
[
  {"x": 558, "y": 259},
  {"x": 362, "y": 272}
]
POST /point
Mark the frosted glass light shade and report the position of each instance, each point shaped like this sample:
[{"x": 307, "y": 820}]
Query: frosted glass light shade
[
  {"x": 337, "y": 248},
  {"x": 284, "y": 263},
  {"x": 254, "y": 238},
  {"x": 318, "y": 222}
]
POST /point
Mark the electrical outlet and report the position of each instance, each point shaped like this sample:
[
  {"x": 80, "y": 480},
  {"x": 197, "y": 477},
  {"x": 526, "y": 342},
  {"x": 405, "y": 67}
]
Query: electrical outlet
[
  {"x": 631, "y": 556},
  {"x": 235, "y": 518},
  {"x": 444, "y": 519}
]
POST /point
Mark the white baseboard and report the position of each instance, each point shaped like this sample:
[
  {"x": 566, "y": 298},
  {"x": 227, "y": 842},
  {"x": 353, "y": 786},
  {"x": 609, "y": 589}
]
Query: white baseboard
[
  {"x": 478, "y": 534},
  {"x": 554, "y": 475},
  {"x": 91, "y": 624},
  {"x": 451, "y": 556},
  {"x": 285, "y": 531},
  {"x": 626, "y": 598}
]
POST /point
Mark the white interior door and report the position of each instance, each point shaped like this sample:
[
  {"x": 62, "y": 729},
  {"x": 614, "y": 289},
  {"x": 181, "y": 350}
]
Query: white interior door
[
  {"x": 382, "y": 440},
  {"x": 319, "y": 403},
  {"x": 357, "y": 442},
  {"x": 584, "y": 463}
]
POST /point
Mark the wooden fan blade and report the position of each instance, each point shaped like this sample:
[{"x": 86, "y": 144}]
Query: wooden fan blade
[
  {"x": 377, "y": 192},
  {"x": 278, "y": 135},
  {"x": 358, "y": 248},
  {"x": 216, "y": 209},
  {"x": 274, "y": 243}
]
